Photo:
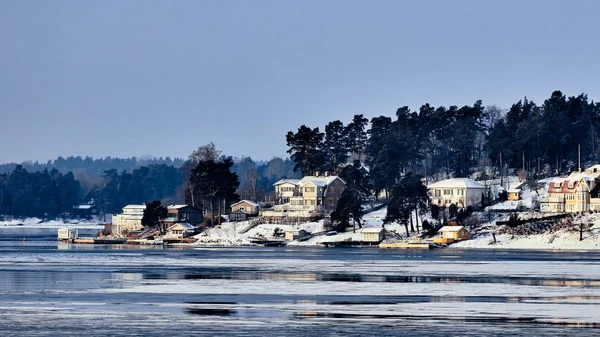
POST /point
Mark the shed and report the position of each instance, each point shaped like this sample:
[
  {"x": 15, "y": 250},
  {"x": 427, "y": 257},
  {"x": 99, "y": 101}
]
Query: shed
[
  {"x": 295, "y": 234},
  {"x": 373, "y": 234},
  {"x": 180, "y": 231},
  {"x": 67, "y": 234},
  {"x": 514, "y": 194},
  {"x": 452, "y": 234}
]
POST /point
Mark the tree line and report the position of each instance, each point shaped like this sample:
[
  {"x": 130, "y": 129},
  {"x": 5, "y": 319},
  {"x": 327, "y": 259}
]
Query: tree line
[
  {"x": 25, "y": 191},
  {"x": 455, "y": 141}
]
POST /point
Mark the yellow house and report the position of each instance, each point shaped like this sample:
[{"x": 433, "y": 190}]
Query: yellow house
[
  {"x": 452, "y": 234},
  {"x": 514, "y": 194},
  {"x": 246, "y": 206},
  {"x": 180, "y": 231},
  {"x": 373, "y": 234}
]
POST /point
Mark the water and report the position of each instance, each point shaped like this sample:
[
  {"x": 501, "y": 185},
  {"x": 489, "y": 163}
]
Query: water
[{"x": 49, "y": 289}]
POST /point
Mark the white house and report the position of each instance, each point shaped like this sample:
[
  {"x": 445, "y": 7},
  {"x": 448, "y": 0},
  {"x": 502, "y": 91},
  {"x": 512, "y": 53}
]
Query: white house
[
  {"x": 130, "y": 220},
  {"x": 462, "y": 192}
]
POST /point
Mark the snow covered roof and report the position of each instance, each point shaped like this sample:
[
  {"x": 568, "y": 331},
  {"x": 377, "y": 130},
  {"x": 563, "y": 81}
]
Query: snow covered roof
[
  {"x": 135, "y": 207},
  {"x": 514, "y": 190},
  {"x": 176, "y": 206},
  {"x": 372, "y": 230},
  {"x": 290, "y": 181},
  {"x": 316, "y": 182},
  {"x": 451, "y": 229},
  {"x": 457, "y": 183},
  {"x": 183, "y": 225},
  {"x": 319, "y": 180},
  {"x": 246, "y": 201},
  {"x": 83, "y": 206},
  {"x": 593, "y": 169}
]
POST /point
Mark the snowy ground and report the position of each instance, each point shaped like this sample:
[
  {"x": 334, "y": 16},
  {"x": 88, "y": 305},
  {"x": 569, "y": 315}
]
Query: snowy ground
[
  {"x": 562, "y": 239},
  {"x": 40, "y": 223}
]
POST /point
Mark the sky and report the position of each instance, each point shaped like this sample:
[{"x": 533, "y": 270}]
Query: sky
[{"x": 160, "y": 78}]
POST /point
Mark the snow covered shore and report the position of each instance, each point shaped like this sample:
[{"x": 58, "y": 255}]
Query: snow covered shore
[{"x": 234, "y": 234}]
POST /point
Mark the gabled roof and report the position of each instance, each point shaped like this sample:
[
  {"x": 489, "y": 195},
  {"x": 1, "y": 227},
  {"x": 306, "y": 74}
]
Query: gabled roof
[
  {"x": 372, "y": 230},
  {"x": 457, "y": 183},
  {"x": 315, "y": 182},
  {"x": 176, "y": 206},
  {"x": 246, "y": 201},
  {"x": 86, "y": 206},
  {"x": 135, "y": 207},
  {"x": 290, "y": 181},
  {"x": 183, "y": 225},
  {"x": 451, "y": 229}
]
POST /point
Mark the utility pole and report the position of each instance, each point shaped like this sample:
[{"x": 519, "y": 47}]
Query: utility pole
[{"x": 501, "y": 177}]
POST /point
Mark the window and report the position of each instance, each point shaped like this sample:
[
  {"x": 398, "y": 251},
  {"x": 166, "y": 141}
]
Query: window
[
  {"x": 437, "y": 193},
  {"x": 447, "y": 192},
  {"x": 309, "y": 189}
]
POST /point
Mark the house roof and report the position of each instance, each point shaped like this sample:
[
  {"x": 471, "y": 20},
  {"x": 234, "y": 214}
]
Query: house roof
[
  {"x": 317, "y": 180},
  {"x": 283, "y": 181},
  {"x": 457, "y": 183},
  {"x": 452, "y": 229},
  {"x": 372, "y": 230},
  {"x": 246, "y": 201},
  {"x": 176, "y": 206},
  {"x": 87, "y": 206},
  {"x": 135, "y": 207},
  {"x": 183, "y": 225}
]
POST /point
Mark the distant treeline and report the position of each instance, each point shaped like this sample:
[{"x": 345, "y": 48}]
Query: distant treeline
[
  {"x": 33, "y": 189},
  {"x": 91, "y": 167}
]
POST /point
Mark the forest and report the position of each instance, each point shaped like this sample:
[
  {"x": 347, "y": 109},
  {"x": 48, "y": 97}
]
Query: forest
[
  {"x": 439, "y": 142},
  {"x": 33, "y": 189}
]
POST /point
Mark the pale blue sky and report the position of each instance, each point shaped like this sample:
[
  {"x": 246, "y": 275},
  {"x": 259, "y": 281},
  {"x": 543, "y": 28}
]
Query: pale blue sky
[{"x": 131, "y": 78}]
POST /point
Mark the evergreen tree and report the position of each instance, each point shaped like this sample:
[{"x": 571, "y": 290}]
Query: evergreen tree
[
  {"x": 306, "y": 149},
  {"x": 407, "y": 196},
  {"x": 335, "y": 146}
]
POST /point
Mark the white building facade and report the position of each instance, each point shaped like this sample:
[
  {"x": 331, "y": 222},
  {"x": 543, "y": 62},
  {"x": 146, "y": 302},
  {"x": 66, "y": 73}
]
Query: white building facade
[
  {"x": 462, "y": 192},
  {"x": 128, "y": 221}
]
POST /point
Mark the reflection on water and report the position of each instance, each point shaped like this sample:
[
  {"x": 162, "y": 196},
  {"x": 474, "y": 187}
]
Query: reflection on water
[{"x": 47, "y": 288}]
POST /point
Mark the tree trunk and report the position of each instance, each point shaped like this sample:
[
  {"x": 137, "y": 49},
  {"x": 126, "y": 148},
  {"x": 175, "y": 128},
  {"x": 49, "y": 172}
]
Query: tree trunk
[
  {"x": 212, "y": 209},
  {"x": 412, "y": 228},
  {"x": 406, "y": 227}
]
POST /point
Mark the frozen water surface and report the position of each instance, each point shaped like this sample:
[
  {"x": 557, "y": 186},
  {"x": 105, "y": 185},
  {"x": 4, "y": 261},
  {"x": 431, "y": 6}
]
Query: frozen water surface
[{"x": 51, "y": 289}]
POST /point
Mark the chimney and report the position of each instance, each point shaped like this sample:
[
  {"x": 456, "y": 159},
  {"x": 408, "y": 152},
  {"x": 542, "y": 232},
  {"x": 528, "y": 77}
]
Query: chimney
[
  {"x": 326, "y": 174},
  {"x": 317, "y": 174}
]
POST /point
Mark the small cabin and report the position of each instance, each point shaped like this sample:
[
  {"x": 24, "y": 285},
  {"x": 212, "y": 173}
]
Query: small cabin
[
  {"x": 249, "y": 207},
  {"x": 67, "y": 234},
  {"x": 295, "y": 234},
  {"x": 180, "y": 231},
  {"x": 452, "y": 234},
  {"x": 374, "y": 234},
  {"x": 514, "y": 194},
  {"x": 238, "y": 215}
]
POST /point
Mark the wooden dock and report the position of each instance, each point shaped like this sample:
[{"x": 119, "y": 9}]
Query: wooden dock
[{"x": 406, "y": 245}]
